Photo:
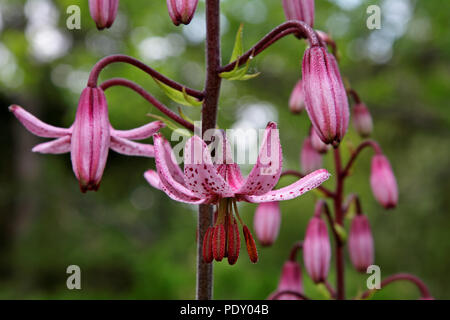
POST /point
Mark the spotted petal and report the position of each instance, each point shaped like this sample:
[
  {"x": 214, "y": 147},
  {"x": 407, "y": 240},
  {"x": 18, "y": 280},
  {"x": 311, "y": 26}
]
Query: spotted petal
[
  {"x": 267, "y": 170},
  {"x": 305, "y": 184},
  {"x": 200, "y": 174},
  {"x": 36, "y": 126},
  {"x": 153, "y": 179},
  {"x": 169, "y": 184}
]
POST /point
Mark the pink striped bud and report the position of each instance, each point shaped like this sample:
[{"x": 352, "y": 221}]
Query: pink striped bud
[
  {"x": 302, "y": 10},
  {"x": 317, "y": 250},
  {"x": 362, "y": 120},
  {"x": 181, "y": 11},
  {"x": 291, "y": 280},
  {"x": 90, "y": 139},
  {"x": 310, "y": 159},
  {"x": 316, "y": 143},
  {"x": 360, "y": 243},
  {"x": 104, "y": 12},
  {"x": 266, "y": 222},
  {"x": 383, "y": 182},
  {"x": 297, "y": 99},
  {"x": 325, "y": 95}
]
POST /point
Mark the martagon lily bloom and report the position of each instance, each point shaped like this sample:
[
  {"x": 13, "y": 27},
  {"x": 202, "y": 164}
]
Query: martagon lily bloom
[
  {"x": 89, "y": 138},
  {"x": 221, "y": 184}
]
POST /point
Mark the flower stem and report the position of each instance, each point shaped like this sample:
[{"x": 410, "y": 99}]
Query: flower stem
[
  {"x": 209, "y": 117},
  {"x": 339, "y": 220},
  {"x": 368, "y": 143},
  {"x": 147, "y": 96},
  {"x": 100, "y": 65}
]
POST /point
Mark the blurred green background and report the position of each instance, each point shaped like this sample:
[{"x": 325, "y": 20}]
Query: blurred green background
[{"x": 133, "y": 242}]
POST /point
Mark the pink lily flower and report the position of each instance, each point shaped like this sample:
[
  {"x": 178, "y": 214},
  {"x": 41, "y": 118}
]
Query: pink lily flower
[
  {"x": 181, "y": 11},
  {"x": 204, "y": 182},
  {"x": 89, "y": 138}
]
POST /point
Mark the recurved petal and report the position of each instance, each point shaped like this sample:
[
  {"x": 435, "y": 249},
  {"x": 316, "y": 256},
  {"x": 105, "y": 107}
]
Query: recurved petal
[
  {"x": 168, "y": 182},
  {"x": 131, "y": 148},
  {"x": 153, "y": 179},
  {"x": 57, "y": 146},
  {"x": 140, "y": 133},
  {"x": 305, "y": 184},
  {"x": 200, "y": 174},
  {"x": 36, "y": 126},
  {"x": 266, "y": 172}
]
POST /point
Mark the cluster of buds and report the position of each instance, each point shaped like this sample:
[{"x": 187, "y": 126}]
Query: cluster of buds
[{"x": 103, "y": 12}]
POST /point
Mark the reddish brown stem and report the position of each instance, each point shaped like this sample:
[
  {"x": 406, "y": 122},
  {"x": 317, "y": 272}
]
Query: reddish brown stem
[
  {"x": 294, "y": 251},
  {"x": 368, "y": 143},
  {"x": 424, "y": 292},
  {"x": 352, "y": 198},
  {"x": 339, "y": 220},
  {"x": 354, "y": 95},
  {"x": 209, "y": 117},
  {"x": 147, "y": 96},
  {"x": 100, "y": 65},
  {"x": 289, "y": 27}
]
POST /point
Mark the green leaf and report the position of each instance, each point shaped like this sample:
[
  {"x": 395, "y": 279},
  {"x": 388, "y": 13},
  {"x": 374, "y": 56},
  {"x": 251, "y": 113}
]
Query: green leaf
[
  {"x": 179, "y": 97},
  {"x": 171, "y": 125},
  {"x": 238, "y": 49}
]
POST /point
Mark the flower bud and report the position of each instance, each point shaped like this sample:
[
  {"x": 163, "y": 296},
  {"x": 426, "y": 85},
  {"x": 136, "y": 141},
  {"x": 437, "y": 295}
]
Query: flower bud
[
  {"x": 103, "y": 12},
  {"x": 302, "y": 10},
  {"x": 316, "y": 143},
  {"x": 290, "y": 280},
  {"x": 266, "y": 222},
  {"x": 310, "y": 159},
  {"x": 297, "y": 99},
  {"x": 325, "y": 96},
  {"x": 90, "y": 138},
  {"x": 383, "y": 182},
  {"x": 317, "y": 250},
  {"x": 360, "y": 243},
  {"x": 362, "y": 120},
  {"x": 181, "y": 11}
]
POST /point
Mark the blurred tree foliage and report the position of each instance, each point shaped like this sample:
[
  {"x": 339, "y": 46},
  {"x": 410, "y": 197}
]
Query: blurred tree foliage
[{"x": 131, "y": 241}]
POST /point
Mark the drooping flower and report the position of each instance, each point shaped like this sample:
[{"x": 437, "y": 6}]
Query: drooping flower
[
  {"x": 362, "y": 120},
  {"x": 103, "y": 12},
  {"x": 302, "y": 10},
  {"x": 290, "y": 280},
  {"x": 316, "y": 143},
  {"x": 297, "y": 99},
  {"x": 89, "y": 138},
  {"x": 383, "y": 182},
  {"x": 181, "y": 11},
  {"x": 317, "y": 250},
  {"x": 266, "y": 222},
  {"x": 310, "y": 159},
  {"x": 360, "y": 243},
  {"x": 221, "y": 184},
  {"x": 325, "y": 95}
]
